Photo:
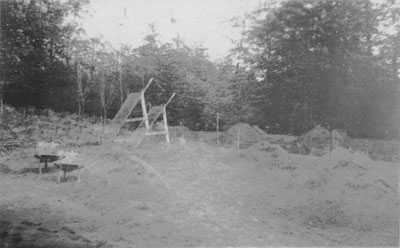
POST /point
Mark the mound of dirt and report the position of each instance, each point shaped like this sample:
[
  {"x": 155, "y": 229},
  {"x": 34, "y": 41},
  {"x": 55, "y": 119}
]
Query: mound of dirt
[
  {"x": 340, "y": 138},
  {"x": 260, "y": 132},
  {"x": 265, "y": 146},
  {"x": 385, "y": 150},
  {"x": 245, "y": 134},
  {"x": 295, "y": 147},
  {"x": 317, "y": 141},
  {"x": 346, "y": 190}
]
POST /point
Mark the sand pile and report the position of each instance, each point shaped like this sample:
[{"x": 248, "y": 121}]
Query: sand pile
[
  {"x": 245, "y": 134},
  {"x": 346, "y": 190},
  {"x": 260, "y": 132},
  {"x": 317, "y": 141},
  {"x": 46, "y": 148},
  {"x": 340, "y": 138},
  {"x": 386, "y": 150}
]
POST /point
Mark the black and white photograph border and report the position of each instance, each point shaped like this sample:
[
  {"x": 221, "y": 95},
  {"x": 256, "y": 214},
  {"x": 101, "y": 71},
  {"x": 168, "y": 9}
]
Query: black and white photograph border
[{"x": 188, "y": 123}]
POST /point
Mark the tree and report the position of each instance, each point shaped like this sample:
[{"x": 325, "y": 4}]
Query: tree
[
  {"x": 33, "y": 49},
  {"x": 184, "y": 71},
  {"x": 106, "y": 77},
  {"x": 320, "y": 66}
]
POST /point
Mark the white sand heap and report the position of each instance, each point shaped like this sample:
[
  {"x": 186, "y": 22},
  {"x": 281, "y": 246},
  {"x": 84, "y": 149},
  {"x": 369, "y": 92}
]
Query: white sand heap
[
  {"x": 68, "y": 157},
  {"x": 46, "y": 148}
]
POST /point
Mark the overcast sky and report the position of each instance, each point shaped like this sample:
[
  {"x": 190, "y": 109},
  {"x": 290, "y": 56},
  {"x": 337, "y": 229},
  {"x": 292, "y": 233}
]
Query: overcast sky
[{"x": 198, "y": 22}]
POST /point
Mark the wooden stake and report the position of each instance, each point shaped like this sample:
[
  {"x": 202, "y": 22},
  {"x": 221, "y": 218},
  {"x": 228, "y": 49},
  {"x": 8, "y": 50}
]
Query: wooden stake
[
  {"x": 166, "y": 124},
  {"x": 217, "y": 128},
  {"x": 148, "y": 84},
  {"x": 59, "y": 174},
  {"x": 1, "y": 98},
  {"x": 79, "y": 176},
  {"x": 170, "y": 99},
  {"x": 238, "y": 140},
  {"x": 144, "y": 110}
]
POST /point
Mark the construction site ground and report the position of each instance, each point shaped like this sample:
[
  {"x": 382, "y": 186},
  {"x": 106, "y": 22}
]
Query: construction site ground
[{"x": 190, "y": 194}]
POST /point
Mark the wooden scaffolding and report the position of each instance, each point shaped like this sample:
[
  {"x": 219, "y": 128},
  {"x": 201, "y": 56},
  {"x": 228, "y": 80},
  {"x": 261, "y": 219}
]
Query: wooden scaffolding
[{"x": 148, "y": 119}]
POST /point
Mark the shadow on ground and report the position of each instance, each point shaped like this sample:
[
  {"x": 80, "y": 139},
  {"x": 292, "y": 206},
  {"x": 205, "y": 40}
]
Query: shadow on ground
[{"x": 38, "y": 228}]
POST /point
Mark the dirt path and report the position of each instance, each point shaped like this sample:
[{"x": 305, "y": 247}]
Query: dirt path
[{"x": 196, "y": 195}]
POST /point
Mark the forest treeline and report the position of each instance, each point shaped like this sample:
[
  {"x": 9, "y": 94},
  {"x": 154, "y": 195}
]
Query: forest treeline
[{"x": 298, "y": 64}]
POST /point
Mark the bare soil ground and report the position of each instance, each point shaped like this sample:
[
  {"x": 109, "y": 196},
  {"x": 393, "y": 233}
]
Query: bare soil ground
[{"x": 190, "y": 194}]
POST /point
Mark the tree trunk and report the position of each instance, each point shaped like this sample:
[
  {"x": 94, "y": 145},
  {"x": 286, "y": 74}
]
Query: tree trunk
[
  {"x": 79, "y": 108},
  {"x": 79, "y": 88},
  {"x": 368, "y": 25},
  {"x": 121, "y": 91},
  {"x": 217, "y": 128},
  {"x": 1, "y": 97},
  {"x": 395, "y": 66}
]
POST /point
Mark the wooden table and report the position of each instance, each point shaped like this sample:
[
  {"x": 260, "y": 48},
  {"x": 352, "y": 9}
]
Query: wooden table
[
  {"x": 46, "y": 159},
  {"x": 66, "y": 168}
]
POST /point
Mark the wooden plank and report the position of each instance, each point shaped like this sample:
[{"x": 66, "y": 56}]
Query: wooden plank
[
  {"x": 123, "y": 113},
  {"x": 166, "y": 122},
  {"x": 134, "y": 119},
  {"x": 157, "y": 133},
  {"x": 170, "y": 99},
  {"x": 148, "y": 84},
  {"x": 144, "y": 110},
  {"x": 127, "y": 107},
  {"x": 152, "y": 116}
]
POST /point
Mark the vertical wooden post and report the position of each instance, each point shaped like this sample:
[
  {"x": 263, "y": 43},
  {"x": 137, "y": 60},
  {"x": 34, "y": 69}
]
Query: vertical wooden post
[
  {"x": 59, "y": 174},
  {"x": 238, "y": 140},
  {"x": 217, "y": 128},
  {"x": 1, "y": 98},
  {"x": 121, "y": 90},
  {"x": 166, "y": 124},
  {"x": 144, "y": 110},
  {"x": 79, "y": 175}
]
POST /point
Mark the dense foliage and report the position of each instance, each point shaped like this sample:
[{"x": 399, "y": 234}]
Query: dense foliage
[
  {"x": 333, "y": 62},
  {"x": 297, "y": 65}
]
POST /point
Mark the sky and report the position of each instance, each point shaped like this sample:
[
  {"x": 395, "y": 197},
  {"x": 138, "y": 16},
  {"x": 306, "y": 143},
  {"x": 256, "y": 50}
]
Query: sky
[{"x": 197, "y": 22}]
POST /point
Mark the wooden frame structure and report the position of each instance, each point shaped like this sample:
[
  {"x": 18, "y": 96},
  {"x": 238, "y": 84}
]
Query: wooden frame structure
[
  {"x": 147, "y": 120},
  {"x": 144, "y": 109},
  {"x": 158, "y": 110}
]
